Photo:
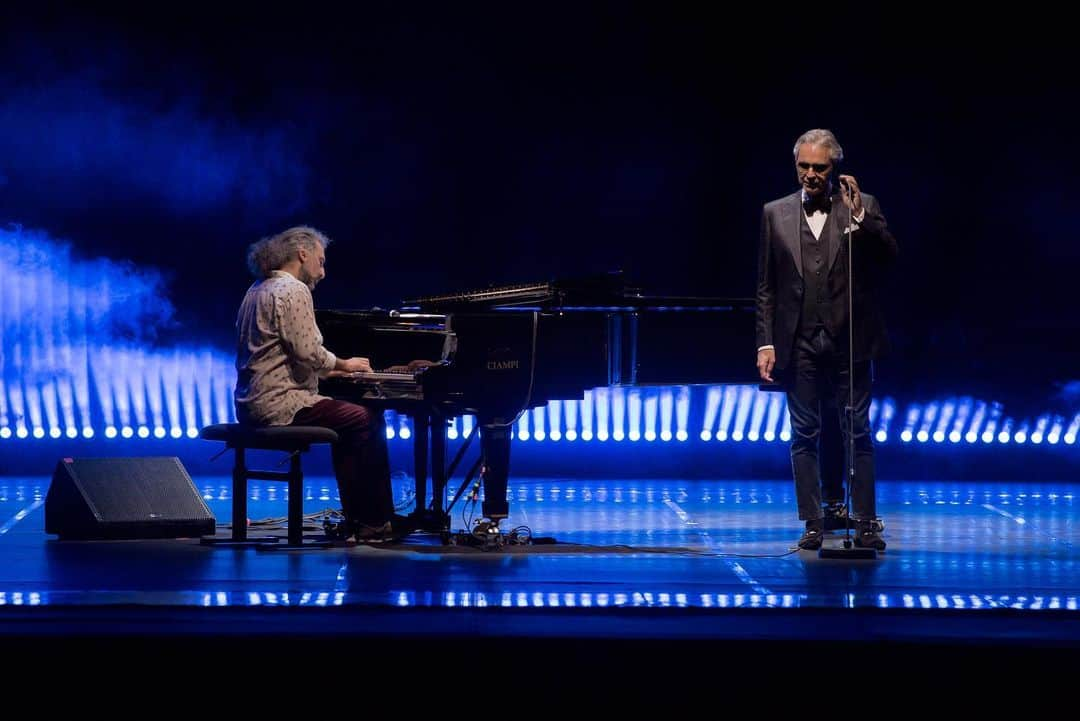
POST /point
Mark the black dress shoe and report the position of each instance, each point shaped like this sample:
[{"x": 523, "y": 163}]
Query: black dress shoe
[
  {"x": 867, "y": 537},
  {"x": 812, "y": 536},
  {"x": 836, "y": 517}
]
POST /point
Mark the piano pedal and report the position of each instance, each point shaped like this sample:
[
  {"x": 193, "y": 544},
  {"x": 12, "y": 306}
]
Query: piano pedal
[{"x": 485, "y": 535}]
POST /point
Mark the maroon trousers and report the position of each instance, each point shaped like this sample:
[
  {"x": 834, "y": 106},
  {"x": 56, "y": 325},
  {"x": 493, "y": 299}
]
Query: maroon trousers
[{"x": 361, "y": 459}]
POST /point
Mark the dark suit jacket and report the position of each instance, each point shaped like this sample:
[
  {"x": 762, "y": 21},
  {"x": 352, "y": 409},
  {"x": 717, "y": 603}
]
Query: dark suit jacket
[{"x": 780, "y": 284}]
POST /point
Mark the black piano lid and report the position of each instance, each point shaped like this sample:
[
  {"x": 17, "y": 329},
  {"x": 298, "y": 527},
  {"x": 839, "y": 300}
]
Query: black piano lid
[{"x": 605, "y": 292}]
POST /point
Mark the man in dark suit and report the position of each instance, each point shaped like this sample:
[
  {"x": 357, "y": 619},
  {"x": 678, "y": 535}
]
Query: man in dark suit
[{"x": 802, "y": 319}]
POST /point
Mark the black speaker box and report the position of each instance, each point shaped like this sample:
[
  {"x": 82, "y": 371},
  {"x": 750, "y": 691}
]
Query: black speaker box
[{"x": 113, "y": 498}]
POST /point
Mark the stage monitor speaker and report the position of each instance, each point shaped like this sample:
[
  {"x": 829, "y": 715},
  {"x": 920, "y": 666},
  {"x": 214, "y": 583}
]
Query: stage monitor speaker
[{"x": 114, "y": 498}]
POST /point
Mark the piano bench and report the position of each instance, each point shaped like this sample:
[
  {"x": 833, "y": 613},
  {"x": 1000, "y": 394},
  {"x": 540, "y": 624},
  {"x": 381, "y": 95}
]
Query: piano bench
[{"x": 294, "y": 440}]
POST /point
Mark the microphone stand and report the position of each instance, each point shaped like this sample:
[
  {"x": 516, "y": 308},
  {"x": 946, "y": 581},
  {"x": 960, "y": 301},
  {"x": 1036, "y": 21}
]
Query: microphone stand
[{"x": 849, "y": 549}]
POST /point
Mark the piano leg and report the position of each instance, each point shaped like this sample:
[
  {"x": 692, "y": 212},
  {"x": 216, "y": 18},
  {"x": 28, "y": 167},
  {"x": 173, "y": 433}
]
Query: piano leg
[
  {"x": 430, "y": 427},
  {"x": 438, "y": 467},
  {"x": 495, "y": 443},
  {"x": 420, "y": 461}
]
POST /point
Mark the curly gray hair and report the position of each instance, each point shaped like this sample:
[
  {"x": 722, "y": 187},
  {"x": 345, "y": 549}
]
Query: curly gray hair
[
  {"x": 824, "y": 138},
  {"x": 270, "y": 254}
]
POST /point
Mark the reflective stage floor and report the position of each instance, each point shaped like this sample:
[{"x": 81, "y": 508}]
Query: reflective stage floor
[{"x": 637, "y": 577}]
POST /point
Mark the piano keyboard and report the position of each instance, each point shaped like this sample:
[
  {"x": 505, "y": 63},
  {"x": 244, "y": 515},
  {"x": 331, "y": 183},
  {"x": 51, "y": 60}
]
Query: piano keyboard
[{"x": 383, "y": 377}]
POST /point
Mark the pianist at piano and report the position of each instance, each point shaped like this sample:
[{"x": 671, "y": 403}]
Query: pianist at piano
[{"x": 280, "y": 359}]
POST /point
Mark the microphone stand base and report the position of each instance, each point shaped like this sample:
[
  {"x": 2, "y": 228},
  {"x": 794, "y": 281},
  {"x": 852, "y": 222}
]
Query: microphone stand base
[{"x": 852, "y": 553}]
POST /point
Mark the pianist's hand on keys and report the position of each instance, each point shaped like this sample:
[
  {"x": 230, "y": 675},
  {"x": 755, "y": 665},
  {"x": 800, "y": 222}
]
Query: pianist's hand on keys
[
  {"x": 412, "y": 367},
  {"x": 393, "y": 373},
  {"x": 349, "y": 366}
]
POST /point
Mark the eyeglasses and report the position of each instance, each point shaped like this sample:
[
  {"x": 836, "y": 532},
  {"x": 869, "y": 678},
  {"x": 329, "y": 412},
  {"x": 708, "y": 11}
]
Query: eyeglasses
[{"x": 818, "y": 167}]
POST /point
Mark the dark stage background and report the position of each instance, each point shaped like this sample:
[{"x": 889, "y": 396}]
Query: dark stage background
[{"x": 446, "y": 147}]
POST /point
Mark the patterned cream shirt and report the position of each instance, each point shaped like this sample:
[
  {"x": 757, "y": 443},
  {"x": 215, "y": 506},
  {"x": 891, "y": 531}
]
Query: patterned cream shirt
[{"x": 279, "y": 352}]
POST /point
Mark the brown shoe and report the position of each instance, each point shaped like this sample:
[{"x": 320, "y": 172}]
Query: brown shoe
[{"x": 372, "y": 534}]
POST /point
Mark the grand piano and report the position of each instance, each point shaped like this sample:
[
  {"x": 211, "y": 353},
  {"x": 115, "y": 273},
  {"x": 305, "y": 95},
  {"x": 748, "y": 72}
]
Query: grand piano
[{"x": 500, "y": 351}]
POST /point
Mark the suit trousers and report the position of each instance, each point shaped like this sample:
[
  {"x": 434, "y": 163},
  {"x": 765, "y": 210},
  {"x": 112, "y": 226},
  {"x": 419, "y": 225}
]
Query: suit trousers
[{"x": 819, "y": 366}]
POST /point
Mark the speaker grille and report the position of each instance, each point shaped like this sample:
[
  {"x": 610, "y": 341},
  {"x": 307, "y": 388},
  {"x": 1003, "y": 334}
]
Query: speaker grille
[{"x": 125, "y": 498}]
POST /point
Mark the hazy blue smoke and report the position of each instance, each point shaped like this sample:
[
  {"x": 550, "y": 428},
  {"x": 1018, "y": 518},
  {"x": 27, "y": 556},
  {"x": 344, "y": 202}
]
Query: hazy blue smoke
[
  {"x": 77, "y": 348},
  {"x": 51, "y": 296},
  {"x": 87, "y": 146}
]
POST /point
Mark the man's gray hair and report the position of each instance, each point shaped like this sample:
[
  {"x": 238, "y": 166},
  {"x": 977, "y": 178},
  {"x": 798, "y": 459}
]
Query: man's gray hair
[
  {"x": 270, "y": 254},
  {"x": 824, "y": 138}
]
